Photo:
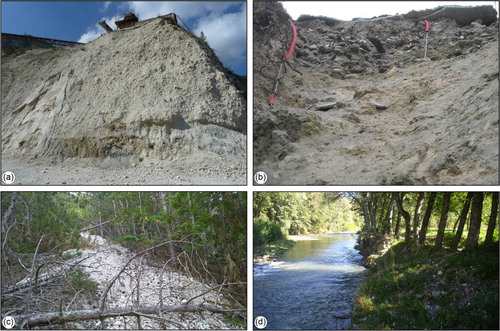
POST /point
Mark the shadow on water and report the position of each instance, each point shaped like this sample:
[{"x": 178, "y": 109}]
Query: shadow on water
[{"x": 311, "y": 283}]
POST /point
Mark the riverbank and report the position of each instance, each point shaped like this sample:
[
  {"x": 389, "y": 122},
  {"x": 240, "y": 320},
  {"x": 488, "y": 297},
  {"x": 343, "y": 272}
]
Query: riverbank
[
  {"x": 373, "y": 246},
  {"x": 270, "y": 252},
  {"x": 424, "y": 287},
  {"x": 313, "y": 236}
]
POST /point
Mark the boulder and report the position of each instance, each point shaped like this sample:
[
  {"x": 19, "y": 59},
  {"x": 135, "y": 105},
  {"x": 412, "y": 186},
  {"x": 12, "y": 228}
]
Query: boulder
[
  {"x": 325, "y": 106},
  {"x": 378, "y": 105}
]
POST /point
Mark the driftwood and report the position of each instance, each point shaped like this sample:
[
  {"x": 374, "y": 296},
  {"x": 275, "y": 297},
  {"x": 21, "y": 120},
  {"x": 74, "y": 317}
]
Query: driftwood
[
  {"x": 26, "y": 286},
  {"x": 38, "y": 319}
]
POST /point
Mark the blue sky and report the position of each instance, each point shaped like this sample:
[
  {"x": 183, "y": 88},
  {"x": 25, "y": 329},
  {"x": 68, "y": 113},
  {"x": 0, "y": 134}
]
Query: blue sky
[{"x": 223, "y": 23}]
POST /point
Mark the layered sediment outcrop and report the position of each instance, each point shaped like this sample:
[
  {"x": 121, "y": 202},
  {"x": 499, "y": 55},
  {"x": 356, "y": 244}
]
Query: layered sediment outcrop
[{"x": 151, "y": 94}]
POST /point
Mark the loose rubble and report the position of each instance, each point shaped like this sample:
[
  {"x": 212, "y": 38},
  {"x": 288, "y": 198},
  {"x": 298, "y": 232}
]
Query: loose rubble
[
  {"x": 397, "y": 118},
  {"x": 104, "y": 260}
]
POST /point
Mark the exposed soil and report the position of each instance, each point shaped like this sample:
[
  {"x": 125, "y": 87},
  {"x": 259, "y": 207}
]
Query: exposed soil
[
  {"x": 144, "y": 105},
  {"x": 392, "y": 117}
]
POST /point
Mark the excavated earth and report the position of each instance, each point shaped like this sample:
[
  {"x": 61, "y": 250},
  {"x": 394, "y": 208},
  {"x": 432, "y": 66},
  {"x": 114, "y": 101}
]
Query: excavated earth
[
  {"x": 392, "y": 117},
  {"x": 144, "y": 105}
]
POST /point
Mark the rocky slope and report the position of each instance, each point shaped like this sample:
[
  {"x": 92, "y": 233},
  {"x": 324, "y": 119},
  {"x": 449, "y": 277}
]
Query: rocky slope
[
  {"x": 152, "y": 97},
  {"x": 139, "y": 283},
  {"x": 106, "y": 259},
  {"x": 391, "y": 117}
]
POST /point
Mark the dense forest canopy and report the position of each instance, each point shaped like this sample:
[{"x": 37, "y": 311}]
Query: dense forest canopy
[
  {"x": 454, "y": 219},
  {"x": 279, "y": 214},
  {"x": 432, "y": 257},
  {"x": 438, "y": 247},
  {"x": 211, "y": 223},
  {"x": 200, "y": 234}
]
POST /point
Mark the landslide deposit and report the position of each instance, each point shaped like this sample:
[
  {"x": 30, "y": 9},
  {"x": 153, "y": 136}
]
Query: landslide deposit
[
  {"x": 138, "y": 283},
  {"x": 149, "y": 104},
  {"x": 359, "y": 105}
]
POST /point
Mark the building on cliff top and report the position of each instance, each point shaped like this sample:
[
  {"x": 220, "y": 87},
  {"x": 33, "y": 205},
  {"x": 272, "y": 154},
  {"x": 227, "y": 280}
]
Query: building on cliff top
[{"x": 131, "y": 20}]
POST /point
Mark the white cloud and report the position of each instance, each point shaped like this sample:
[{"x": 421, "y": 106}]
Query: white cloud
[
  {"x": 226, "y": 34},
  {"x": 96, "y": 30},
  {"x": 90, "y": 35},
  {"x": 186, "y": 10},
  {"x": 105, "y": 6}
]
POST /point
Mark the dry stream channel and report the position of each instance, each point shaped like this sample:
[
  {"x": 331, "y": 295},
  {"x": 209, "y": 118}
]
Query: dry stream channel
[{"x": 312, "y": 286}]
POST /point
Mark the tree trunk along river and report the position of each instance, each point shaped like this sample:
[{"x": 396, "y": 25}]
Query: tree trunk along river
[{"x": 312, "y": 286}]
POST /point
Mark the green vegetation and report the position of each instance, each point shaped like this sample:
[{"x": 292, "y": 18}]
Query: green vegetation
[
  {"x": 274, "y": 249},
  {"x": 202, "y": 234},
  {"x": 265, "y": 232},
  {"x": 425, "y": 287},
  {"x": 51, "y": 215},
  {"x": 209, "y": 227},
  {"x": 80, "y": 281},
  {"x": 433, "y": 261},
  {"x": 280, "y": 214}
]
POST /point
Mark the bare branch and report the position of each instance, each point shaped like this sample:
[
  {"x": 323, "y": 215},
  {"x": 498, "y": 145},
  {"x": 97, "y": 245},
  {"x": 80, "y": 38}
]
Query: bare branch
[
  {"x": 36, "y": 319},
  {"x": 102, "y": 301},
  {"x": 161, "y": 319},
  {"x": 210, "y": 290},
  {"x": 94, "y": 226},
  {"x": 74, "y": 298},
  {"x": 33, "y": 267}
]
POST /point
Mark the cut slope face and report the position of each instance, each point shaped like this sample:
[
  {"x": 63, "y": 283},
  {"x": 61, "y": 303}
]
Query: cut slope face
[
  {"x": 145, "y": 95},
  {"x": 394, "y": 118}
]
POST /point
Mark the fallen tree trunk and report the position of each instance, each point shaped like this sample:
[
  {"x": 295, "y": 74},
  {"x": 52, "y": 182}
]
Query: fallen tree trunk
[{"x": 32, "y": 320}]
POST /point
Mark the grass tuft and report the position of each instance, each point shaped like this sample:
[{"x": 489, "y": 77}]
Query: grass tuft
[{"x": 424, "y": 287}]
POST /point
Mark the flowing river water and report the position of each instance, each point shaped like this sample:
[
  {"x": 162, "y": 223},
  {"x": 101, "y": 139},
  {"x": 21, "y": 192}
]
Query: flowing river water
[{"x": 311, "y": 286}]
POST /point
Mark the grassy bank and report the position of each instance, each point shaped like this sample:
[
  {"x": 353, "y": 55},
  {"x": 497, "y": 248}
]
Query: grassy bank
[
  {"x": 273, "y": 249},
  {"x": 424, "y": 287},
  {"x": 269, "y": 240}
]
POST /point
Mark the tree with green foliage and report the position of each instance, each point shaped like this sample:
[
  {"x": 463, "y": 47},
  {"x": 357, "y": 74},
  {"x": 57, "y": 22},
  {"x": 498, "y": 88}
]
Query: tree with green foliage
[
  {"x": 427, "y": 217},
  {"x": 377, "y": 210},
  {"x": 492, "y": 221},
  {"x": 443, "y": 218},
  {"x": 461, "y": 286},
  {"x": 461, "y": 221},
  {"x": 279, "y": 214},
  {"x": 400, "y": 198},
  {"x": 475, "y": 220},
  {"x": 416, "y": 217},
  {"x": 201, "y": 234}
]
